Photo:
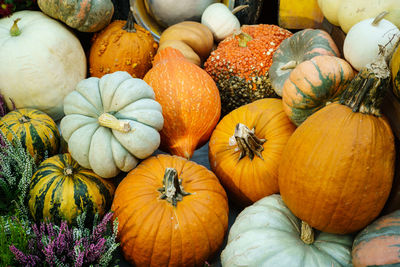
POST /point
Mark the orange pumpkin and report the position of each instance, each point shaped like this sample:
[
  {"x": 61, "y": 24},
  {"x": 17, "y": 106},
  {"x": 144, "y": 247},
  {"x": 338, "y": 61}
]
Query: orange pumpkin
[
  {"x": 122, "y": 46},
  {"x": 189, "y": 99},
  {"x": 337, "y": 168},
  {"x": 171, "y": 212},
  {"x": 245, "y": 149}
]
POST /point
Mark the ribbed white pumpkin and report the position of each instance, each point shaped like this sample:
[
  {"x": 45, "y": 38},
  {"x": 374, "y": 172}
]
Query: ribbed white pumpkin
[
  {"x": 41, "y": 65},
  {"x": 268, "y": 234},
  {"x": 111, "y": 122}
]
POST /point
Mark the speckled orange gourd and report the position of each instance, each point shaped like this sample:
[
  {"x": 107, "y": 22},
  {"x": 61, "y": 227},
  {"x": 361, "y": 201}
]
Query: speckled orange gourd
[
  {"x": 241, "y": 62},
  {"x": 190, "y": 102},
  {"x": 122, "y": 46}
]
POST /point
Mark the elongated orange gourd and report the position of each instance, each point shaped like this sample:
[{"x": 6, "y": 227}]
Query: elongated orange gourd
[{"x": 190, "y": 102}]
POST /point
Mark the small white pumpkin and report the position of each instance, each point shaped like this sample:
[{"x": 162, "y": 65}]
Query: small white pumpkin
[
  {"x": 41, "y": 61},
  {"x": 361, "y": 45},
  {"x": 220, "y": 20},
  {"x": 111, "y": 122},
  {"x": 268, "y": 234}
]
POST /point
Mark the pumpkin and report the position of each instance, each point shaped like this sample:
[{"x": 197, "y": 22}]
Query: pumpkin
[
  {"x": 35, "y": 70},
  {"x": 337, "y": 168},
  {"x": 395, "y": 71},
  {"x": 361, "y": 45},
  {"x": 171, "y": 212},
  {"x": 302, "y": 46},
  {"x": 190, "y": 102},
  {"x": 194, "y": 34},
  {"x": 240, "y": 64},
  {"x": 122, "y": 46},
  {"x": 299, "y": 14},
  {"x": 313, "y": 84},
  {"x": 346, "y": 13},
  {"x": 37, "y": 132},
  {"x": 111, "y": 123},
  {"x": 268, "y": 234},
  {"x": 60, "y": 189},
  {"x": 185, "y": 49},
  {"x": 83, "y": 15},
  {"x": 378, "y": 243},
  {"x": 245, "y": 149}
]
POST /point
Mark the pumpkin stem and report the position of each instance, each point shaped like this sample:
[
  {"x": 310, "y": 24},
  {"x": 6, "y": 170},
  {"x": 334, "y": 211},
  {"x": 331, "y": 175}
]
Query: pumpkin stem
[
  {"x": 108, "y": 120},
  {"x": 130, "y": 23},
  {"x": 249, "y": 144},
  {"x": 307, "y": 233},
  {"x": 172, "y": 189},
  {"x": 14, "y": 30},
  {"x": 238, "y": 8},
  {"x": 24, "y": 119},
  {"x": 379, "y": 17},
  {"x": 290, "y": 65},
  {"x": 68, "y": 170},
  {"x": 244, "y": 38}
]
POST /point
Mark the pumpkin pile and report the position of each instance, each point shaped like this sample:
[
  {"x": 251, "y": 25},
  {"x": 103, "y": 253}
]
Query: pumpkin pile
[{"x": 291, "y": 119}]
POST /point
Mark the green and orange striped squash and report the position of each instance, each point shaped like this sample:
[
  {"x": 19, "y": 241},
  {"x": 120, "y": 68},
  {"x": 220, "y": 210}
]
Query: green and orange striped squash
[
  {"x": 395, "y": 70},
  {"x": 83, "y": 15},
  {"x": 302, "y": 46},
  {"x": 36, "y": 130},
  {"x": 378, "y": 244},
  {"x": 61, "y": 189},
  {"x": 313, "y": 84}
]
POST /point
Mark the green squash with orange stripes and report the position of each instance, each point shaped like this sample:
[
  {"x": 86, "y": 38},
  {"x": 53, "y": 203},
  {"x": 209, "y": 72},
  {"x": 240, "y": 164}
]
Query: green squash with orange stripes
[
  {"x": 36, "y": 130},
  {"x": 61, "y": 189}
]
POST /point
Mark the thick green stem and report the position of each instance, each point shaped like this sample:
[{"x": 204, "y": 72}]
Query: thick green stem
[
  {"x": 130, "y": 23},
  {"x": 14, "y": 30},
  {"x": 108, "y": 120},
  {"x": 172, "y": 189},
  {"x": 244, "y": 38},
  {"x": 307, "y": 233},
  {"x": 248, "y": 143}
]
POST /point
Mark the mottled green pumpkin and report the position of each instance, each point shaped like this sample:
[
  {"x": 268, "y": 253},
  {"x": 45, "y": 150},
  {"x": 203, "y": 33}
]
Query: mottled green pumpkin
[
  {"x": 302, "y": 46},
  {"x": 60, "y": 189},
  {"x": 37, "y": 132},
  {"x": 83, "y": 15}
]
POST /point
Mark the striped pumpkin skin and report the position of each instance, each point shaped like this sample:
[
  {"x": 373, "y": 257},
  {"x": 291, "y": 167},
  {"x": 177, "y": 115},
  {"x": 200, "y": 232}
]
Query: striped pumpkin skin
[
  {"x": 61, "y": 189},
  {"x": 36, "y": 130},
  {"x": 313, "y": 84},
  {"x": 379, "y": 243}
]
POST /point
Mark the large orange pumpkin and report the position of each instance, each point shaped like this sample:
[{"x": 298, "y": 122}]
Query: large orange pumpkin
[
  {"x": 171, "y": 212},
  {"x": 122, "y": 46},
  {"x": 337, "y": 168},
  {"x": 245, "y": 149},
  {"x": 190, "y": 102}
]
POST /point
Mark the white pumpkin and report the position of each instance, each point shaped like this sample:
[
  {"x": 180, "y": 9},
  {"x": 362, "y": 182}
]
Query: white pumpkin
[
  {"x": 220, "y": 20},
  {"x": 111, "y": 122},
  {"x": 41, "y": 61},
  {"x": 268, "y": 234},
  {"x": 361, "y": 45}
]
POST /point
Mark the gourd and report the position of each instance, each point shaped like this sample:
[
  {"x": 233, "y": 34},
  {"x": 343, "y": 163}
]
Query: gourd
[
  {"x": 361, "y": 45},
  {"x": 191, "y": 33},
  {"x": 300, "y": 14},
  {"x": 171, "y": 212},
  {"x": 60, "y": 189},
  {"x": 337, "y": 168},
  {"x": 268, "y": 234},
  {"x": 395, "y": 71},
  {"x": 190, "y": 102},
  {"x": 302, "y": 46},
  {"x": 377, "y": 244},
  {"x": 346, "y": 13},
  {"x": 35, "y": 70},
  {"x": 240, "y": 64},
  {"x": 111, "y": 123},
  {"x": 83, "y": 15},
  {"x": 37, "y": 132},
  {"x": 122, "y": 46},
  {"x": 314, "y": 84},
  {"x": 245, "y": 149}
]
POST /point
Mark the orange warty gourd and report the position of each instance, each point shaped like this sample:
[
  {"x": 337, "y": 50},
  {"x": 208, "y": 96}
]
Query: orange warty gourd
[
  {"x": 337, "y": 168},
  {"x": 245, "y": 149},
  {"x": 122, "y": 46},
  {"x": 171, "y": 212},
  {"x": 190, "y": 102}
]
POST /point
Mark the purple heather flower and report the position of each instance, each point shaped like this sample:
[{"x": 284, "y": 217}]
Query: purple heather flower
[{"x": 28, "y": 261}]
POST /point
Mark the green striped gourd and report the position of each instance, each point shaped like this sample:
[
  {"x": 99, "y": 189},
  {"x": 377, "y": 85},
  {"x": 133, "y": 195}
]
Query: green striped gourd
[
  {"x": 36, "y": 130},
  {"x": 61, "y": 189}
]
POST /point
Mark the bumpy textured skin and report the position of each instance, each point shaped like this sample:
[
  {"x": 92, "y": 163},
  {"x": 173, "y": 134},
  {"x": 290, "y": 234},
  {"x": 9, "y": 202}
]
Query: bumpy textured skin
[
  {"x": 57, "y": 196},
  {"x": 83, "y": 15},
  {"x": 37, "y": 132}
]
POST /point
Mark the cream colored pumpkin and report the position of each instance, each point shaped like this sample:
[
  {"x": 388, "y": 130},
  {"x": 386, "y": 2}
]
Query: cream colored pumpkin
[
  {"x": 111, "y": 122},
  {"x": 41, "y": 65}
]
